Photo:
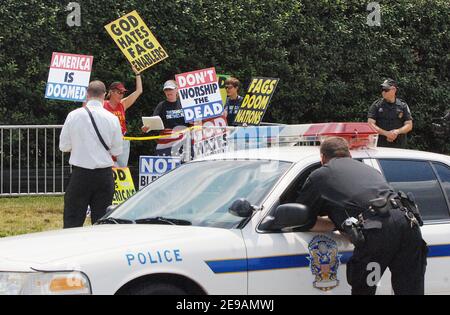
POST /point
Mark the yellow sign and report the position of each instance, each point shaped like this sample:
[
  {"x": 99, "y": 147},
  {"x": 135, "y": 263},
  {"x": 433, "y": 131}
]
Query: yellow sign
[
  {"x": 136, "y": 41},
  {"x": 124, "y": 186},
  {"x": 256, "y": 102}
]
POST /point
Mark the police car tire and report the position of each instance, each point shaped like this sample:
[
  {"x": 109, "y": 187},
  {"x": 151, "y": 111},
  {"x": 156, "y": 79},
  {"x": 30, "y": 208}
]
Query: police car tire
[{"x": 157, "y": 288}]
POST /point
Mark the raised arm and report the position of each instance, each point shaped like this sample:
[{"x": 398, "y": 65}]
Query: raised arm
[{"x": 131, "y": 99}]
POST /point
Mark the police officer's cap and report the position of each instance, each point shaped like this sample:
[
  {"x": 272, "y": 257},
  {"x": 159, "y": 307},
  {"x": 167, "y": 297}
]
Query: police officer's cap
[{"x": 388, "y": 83}]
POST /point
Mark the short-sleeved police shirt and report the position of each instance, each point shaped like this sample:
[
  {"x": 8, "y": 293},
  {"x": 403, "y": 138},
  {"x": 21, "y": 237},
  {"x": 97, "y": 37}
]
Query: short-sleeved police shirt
[
  {"x": 342, "y": 188},
  {"x": 390, "y": 116}
]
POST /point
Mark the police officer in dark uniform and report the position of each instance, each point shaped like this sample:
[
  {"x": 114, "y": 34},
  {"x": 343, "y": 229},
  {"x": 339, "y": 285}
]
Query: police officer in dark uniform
[
  {"x": 391, "y": 117},
  {"x": 383, "y": 225}
]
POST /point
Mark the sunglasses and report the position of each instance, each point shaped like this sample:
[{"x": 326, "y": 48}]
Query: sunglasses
[
  {"x": 229, "y": 87},
  {"x": 385, "y": 90}
]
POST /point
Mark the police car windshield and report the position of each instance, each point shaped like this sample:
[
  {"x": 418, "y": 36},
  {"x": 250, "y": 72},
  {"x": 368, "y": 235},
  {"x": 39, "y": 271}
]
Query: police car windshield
[{"x": 202, "y": 192}]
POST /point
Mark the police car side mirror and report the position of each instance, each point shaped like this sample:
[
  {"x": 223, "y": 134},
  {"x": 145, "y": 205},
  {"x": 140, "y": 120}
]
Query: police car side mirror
[
  {"x": 241, "y": 208},
  {"x": 287, "y": 217}
]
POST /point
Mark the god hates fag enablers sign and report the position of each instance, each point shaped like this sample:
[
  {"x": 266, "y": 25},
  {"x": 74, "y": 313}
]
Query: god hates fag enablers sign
[
  {"x": 199, "y": 94},
  {"x": 68, "y": 77},
  {"x": 256, "y": 101},
  {"x": 136, "y": 41}
]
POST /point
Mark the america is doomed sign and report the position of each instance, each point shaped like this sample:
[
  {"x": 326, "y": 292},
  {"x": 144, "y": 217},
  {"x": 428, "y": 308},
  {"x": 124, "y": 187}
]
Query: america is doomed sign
[{"x": 68, "y": 77}]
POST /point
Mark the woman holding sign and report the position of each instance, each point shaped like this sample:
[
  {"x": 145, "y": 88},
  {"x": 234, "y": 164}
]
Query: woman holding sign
[{"x": 117, "y": 104}]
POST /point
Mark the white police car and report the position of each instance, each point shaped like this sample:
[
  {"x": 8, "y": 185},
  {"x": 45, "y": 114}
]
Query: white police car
[{"x": 178, "y": 236}]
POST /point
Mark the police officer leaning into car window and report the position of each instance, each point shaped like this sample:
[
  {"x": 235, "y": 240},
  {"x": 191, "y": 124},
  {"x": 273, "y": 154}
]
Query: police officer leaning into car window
[
  {"x": 380, "y": 223},
  {"x": 391, "y": 117}
]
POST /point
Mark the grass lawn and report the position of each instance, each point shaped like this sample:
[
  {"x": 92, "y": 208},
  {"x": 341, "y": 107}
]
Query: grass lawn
[{"x": 21, "y": 215}]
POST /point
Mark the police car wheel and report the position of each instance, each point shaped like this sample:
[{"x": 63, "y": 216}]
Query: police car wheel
[{"x": 158, "y": 288}]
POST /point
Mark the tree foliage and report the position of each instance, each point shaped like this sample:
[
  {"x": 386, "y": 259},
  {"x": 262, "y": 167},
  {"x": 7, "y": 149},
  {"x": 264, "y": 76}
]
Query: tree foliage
[{"x": 329, "y": 60}]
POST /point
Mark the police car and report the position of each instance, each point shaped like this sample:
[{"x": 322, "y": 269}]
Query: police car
[{"x": 224, "y": 224}]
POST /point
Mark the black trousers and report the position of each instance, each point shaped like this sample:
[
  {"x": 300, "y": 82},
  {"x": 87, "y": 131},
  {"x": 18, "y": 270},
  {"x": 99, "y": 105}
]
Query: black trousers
[
  {"x": 396, "y": 246},
  {"x": 94, "y": 188}
]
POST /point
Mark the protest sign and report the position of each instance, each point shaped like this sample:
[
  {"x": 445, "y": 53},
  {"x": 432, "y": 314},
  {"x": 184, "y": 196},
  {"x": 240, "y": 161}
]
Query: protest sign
[
  {"x": 124, "y": 186},
  {"x": 223, "y": 91},
  {"x": 199, "y": 94},
  {"x": 209, "y": 139},
  {"x": 256, "y": 101},
  {"x": 152, "y": 167},
  {"x": 136, "y": 41},
  {"x": 68, "y": 77}
]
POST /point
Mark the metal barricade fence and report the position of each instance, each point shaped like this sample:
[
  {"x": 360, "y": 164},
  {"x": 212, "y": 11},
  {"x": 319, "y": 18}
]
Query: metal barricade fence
[{"x": 31, "y": 162}]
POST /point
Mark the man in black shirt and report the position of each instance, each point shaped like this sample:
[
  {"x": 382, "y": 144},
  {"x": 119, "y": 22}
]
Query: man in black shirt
[
  {"x": 391, "y": 117},
  {"x": 342, "y": 189},
  {"x": 172, "y": 115},
  {"x": 170, "y": 109}
]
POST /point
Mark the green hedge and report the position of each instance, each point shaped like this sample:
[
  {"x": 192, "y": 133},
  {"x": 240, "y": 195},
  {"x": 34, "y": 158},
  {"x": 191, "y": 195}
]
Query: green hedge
[{"x": 329, "y": 60}]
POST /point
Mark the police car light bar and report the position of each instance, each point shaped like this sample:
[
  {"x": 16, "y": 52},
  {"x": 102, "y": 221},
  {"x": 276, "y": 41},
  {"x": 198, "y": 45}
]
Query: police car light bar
[{"x": 357, "y": 134}]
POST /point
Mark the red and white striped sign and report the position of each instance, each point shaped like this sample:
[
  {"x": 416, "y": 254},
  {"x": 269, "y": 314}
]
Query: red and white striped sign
[
  {"x": 199, "y": 94},
  {"x": 69, "y": 77}
]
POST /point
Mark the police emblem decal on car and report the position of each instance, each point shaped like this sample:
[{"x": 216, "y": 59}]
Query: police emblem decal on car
[{"x": 324, "y": 262}]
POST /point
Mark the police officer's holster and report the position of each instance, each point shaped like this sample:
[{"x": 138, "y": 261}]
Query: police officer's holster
[{"x": 381, "y": 208}]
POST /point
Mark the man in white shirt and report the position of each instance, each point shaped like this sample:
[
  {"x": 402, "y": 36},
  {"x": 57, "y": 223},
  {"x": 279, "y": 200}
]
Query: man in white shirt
[{"x": 91, "y": 182}]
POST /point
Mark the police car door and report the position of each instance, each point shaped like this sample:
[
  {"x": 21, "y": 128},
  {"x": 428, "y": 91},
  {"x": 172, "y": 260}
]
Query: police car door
[
  {"x": 429, "y": 181},
  {"x": 295, "y": 262}
]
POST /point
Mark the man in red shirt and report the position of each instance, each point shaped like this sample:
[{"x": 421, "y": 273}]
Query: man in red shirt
[{"x": 117, "y": 104}]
